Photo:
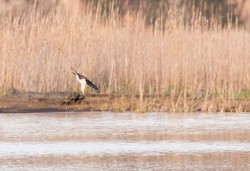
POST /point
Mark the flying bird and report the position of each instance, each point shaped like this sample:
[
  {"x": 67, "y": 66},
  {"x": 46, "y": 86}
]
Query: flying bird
[{"x": 84, "y": 81}]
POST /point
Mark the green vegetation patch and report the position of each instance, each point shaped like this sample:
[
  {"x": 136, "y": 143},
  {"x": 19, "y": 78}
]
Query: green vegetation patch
[
  {"x": 243, "y": 94},
  {"x": 1, "y": 91}
]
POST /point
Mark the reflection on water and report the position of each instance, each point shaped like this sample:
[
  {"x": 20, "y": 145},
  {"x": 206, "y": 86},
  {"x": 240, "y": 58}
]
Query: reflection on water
[
  {"x": 143, "y": 148},
  {"x": 124, "y": 141}
]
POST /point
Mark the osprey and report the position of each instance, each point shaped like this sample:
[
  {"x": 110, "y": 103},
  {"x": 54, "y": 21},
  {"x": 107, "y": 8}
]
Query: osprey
[{"x": 83, "y": 81}]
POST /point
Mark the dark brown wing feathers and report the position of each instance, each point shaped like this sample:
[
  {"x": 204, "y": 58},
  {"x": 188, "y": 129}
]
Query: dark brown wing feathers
[{"x": 89, "y": 83}]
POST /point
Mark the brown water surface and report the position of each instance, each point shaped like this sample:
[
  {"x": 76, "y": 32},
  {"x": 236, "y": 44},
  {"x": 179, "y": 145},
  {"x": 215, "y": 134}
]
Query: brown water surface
[{"x": 124, "y": 141}]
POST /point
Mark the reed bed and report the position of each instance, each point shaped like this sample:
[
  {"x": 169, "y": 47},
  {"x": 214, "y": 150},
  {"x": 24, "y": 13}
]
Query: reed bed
[{"x": 124, "y": 55}]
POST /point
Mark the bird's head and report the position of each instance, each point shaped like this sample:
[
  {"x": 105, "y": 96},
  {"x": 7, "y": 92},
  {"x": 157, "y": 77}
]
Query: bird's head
[{"x": 73, "y": 71}]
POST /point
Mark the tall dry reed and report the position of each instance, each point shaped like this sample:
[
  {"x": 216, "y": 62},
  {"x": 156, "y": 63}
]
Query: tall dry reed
[{"x": 122, "y": 55}]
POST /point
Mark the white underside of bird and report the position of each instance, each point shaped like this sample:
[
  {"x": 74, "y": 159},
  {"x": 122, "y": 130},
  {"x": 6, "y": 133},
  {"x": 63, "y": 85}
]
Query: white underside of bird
[{"x": 83, "y": 84}]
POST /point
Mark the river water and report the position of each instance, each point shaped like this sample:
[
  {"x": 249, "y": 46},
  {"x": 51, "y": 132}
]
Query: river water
[{"x": 124, "y": 141}]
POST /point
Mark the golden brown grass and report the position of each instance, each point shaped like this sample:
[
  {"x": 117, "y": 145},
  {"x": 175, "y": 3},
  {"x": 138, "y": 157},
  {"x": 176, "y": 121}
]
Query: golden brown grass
[{"x": 123, "y": 56}]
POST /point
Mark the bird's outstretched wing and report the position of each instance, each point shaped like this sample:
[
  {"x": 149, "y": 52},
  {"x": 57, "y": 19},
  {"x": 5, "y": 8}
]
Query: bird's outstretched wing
[{"x": 89, "y": 83}]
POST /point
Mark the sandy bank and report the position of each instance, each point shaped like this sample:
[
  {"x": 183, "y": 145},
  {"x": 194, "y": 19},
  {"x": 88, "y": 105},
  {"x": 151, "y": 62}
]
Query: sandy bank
[{"x": 14, "y": 101}]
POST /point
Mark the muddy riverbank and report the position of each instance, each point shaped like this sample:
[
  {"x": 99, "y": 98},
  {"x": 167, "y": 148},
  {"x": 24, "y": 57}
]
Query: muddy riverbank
[{"x": 14, "y": 101}]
